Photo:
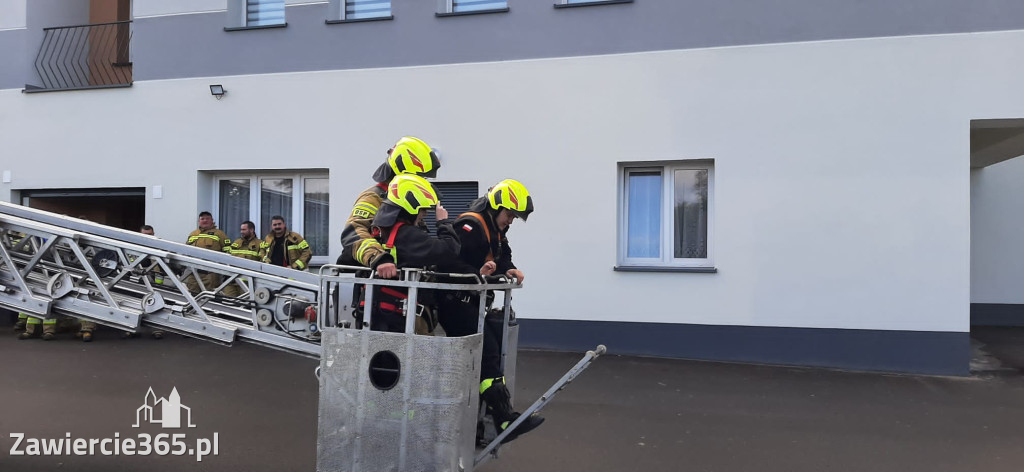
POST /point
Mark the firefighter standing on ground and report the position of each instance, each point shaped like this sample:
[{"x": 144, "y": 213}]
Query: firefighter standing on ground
[
  {"x": 158, "y": 278},
  {"x": 247, "y": 247},
  {"x": 207, "y": 236},
  {"x": 285, "y": 248}
]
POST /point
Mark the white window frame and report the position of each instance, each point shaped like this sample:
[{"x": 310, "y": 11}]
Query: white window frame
[
  {"x": 245, "y": 16},
  {"x": 667, "y": 259},
  {"x": 448, "y": 6},
  {"x": 298, "y": 220},
  {"x": 341, "y": 6}
]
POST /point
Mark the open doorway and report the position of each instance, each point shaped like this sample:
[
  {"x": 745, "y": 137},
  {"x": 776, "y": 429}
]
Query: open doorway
[
  {"x": 123, "y": 208},
  {"x": 997, "y": 245}
]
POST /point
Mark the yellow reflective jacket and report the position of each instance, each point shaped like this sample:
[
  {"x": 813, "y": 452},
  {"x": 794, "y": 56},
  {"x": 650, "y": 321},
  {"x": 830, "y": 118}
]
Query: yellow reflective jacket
[
  {"x": 246, "y": 248},
  {"x": 212, "y": 238},
  {"x": 357, "y": 238},
  {"x": 297, "y": 252}
]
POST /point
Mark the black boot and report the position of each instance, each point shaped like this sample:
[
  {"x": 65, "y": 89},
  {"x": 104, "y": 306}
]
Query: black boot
[{"x": 499, "y": 406}]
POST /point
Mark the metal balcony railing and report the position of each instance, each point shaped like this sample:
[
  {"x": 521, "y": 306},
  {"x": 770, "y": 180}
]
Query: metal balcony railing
[{"x": 84, "y": 57}]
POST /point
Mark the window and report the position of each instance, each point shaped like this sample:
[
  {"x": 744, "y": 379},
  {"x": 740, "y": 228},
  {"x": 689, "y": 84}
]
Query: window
[
  {"x": 471, "y": 6},
  {"x": 455, "y": 197},
  {"x": 264, "y": 12},
  {"x": 666, "y": 214},
  {"x": 303, "y": 200},
  {"x": 363, "y": 9}
]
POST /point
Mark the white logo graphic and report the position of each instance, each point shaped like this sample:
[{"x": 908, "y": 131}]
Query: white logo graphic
[{"x": 170, "y": 411}]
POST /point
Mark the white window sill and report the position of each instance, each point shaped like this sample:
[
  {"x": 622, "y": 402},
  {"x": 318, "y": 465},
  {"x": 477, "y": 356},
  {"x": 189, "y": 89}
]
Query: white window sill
[
  {"x": 472, "y": 12},
  {"x": 591, "y": 4},
  {"x": 699, "y": 270}
]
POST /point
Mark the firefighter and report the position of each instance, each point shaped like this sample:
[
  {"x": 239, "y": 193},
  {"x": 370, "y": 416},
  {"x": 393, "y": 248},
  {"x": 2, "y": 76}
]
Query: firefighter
[
  {"x": 247, "y": 247},
  {"x": 207, "y": 236},
  {"x": 485, "y": 250},
  {"x": 158, "y": 278},
  {"x": 87, "y": 327},
  {"x": 32, "y": 324},
  {"x": 406, "y": 244},
  {"x": 408, "y": 156},
  {"x": 285, "y": 248},
  {"x": 22, "y": 322}
]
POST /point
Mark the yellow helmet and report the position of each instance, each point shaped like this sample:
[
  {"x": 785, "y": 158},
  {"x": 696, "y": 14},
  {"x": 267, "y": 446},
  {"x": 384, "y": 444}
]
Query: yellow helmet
[
  {"x": 412, "y": 193},
  {"x": 413, "y": 156},
  {"x": 408, "y": 156},
  {"x": 512, "y": 195}
]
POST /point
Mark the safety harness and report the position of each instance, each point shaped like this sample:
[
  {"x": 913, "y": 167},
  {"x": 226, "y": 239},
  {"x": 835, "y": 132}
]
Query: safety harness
[
  {"x": 487, "y": 232},
  {"x": 389, "y": 246}
]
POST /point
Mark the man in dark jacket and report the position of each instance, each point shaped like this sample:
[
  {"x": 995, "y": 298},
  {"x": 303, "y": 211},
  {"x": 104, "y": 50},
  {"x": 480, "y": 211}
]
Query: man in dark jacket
[
  {"x": 406, "y": 244},
  {"x": 485, "y": 250}
]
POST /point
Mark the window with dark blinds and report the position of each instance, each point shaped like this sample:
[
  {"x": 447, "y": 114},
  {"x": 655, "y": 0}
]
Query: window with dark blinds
[
  {"x": 455, "y": 197},
  {"x": 477, "y": 5},
  {"x": 359, "y": 9},
  {"x": 264, "y": 12}
]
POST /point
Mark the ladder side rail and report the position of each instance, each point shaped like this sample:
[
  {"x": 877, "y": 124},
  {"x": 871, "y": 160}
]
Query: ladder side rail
[{"x": 488, "y": 452}]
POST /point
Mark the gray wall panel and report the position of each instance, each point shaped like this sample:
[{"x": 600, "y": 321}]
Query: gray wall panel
[
  {"x": 196, "y": 45},
  {"x": 12, "y": 58},
  {"x": 45, "y": 14},
  {"x": 18, "y": 48}
]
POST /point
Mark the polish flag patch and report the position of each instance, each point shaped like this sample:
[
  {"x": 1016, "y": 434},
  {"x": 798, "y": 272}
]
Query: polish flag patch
[{"x": 467, "y": 227}]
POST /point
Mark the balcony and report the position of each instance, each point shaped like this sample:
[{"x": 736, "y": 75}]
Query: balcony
[{"x": 84, "y": 57}]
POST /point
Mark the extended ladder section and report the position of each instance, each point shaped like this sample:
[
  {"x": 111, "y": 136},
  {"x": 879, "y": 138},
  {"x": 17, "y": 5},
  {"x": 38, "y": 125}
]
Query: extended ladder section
[
  {"x": 412, "y": 401},
  {"x": 53, "y": 265}
]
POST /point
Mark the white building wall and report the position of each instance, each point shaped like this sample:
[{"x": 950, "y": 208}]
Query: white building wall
[
  {"x": 12, "y": 14},
  {"x": 997, "y": 233},
  {"x": 842, "y": 192}
]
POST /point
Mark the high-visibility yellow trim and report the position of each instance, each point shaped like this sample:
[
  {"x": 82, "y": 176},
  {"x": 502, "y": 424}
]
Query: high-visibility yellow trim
[
  {"x": 33, "y": 321},
  {"x": 486, "y": 383},
  {"x": 300, "y": 264},
  {"x": 244, "y": 252},
  {"x": 22, "y": 316},
  {"x": 366, "y": 206},
  {"x": 298, "y": 247},
  {"x": 226, "y": 249},
  {"x": 50, "y": 321},
  {"x": 363, "y": 246}
]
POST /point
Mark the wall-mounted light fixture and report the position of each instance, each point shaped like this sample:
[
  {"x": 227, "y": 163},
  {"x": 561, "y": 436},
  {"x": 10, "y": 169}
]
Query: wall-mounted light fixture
[{"x": 218, "y": 91}]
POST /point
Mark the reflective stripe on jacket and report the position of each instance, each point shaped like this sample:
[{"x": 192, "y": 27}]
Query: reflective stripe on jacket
[
  {"x": 212, "y": 238},
  {"x": 246, "y": 248},
  {"x": 297, "y": 252}
]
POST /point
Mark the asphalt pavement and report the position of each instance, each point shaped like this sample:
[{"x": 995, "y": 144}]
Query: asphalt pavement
[{"x": 623, "y": 414}]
